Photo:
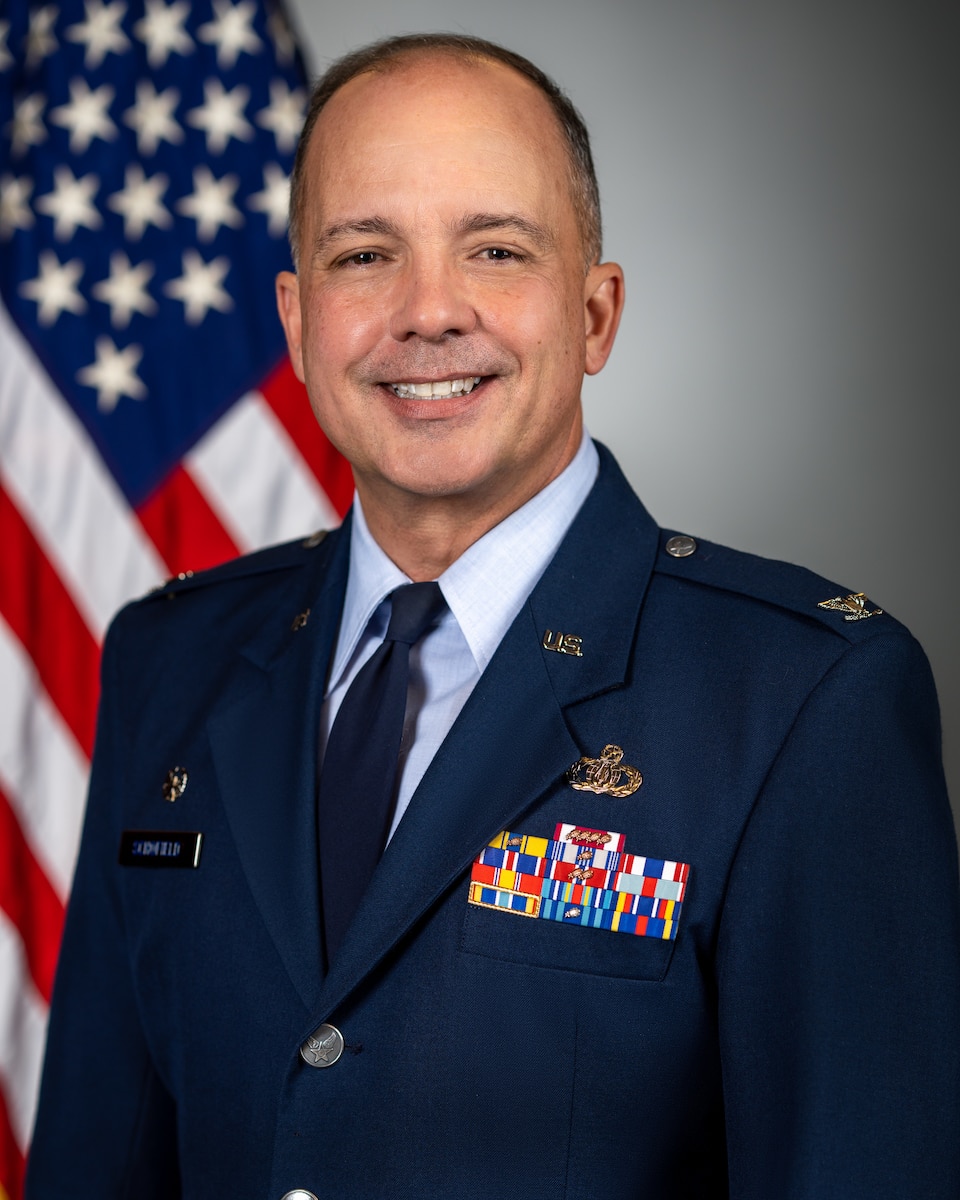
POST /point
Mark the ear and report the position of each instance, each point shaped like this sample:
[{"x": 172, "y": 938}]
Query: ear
[
  {"x": 603, "y": 293},
  {"x": 288, "y": 306}
]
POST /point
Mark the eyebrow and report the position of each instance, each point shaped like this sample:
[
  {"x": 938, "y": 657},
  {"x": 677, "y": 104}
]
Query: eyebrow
[
  {"x": 379, "y": 226},
  {"x": 474, "y": 223},
  {"x": 507, "y": 222}
]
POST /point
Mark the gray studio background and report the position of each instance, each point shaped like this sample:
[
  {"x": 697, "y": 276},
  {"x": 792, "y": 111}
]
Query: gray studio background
[{"x": 781, "y": 184}]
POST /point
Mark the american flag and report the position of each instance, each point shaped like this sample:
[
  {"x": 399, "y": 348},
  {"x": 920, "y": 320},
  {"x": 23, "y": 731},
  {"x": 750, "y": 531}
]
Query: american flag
[{"x": 149, "y": 419}]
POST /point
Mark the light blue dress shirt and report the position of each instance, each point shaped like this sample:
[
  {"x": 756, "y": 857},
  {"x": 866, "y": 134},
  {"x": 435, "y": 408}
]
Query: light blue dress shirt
[{"x": 484, "y": 589}]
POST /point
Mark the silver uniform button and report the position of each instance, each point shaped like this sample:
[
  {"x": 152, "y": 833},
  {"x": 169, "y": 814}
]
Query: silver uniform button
[
  {"x": 298, "y": 1194},
  {"x": 322, "y": 1049},
  {"x": 680, "y": 547}
]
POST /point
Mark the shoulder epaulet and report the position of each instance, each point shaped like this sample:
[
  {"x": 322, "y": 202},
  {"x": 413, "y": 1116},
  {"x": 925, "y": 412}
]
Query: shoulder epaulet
[
  {"x": 850, "y": 614},
  {"x": 281, "y": 557}
]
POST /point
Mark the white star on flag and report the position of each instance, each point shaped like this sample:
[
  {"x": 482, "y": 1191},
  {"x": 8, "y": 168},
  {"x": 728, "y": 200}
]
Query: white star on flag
[
  {"x": 55, "y": 288},
  {"x": 70, "y": 203},
  {"x": 231, "y": 31},
  {"x": 125, "y": 290},
  {"x": 274, "y": 200},
  {"x": 40, "y": 41},
  {"x": 100, "y": 32},
  {"x": 26, "y": 128},
  {"x": 221, "y": 115},
  {"x": 284, "y": 114},
  {"x": 162, "y": 32},
  {"x": 113, "y": 374},
  {"x": 138, "y": 202},
  {"x": 6, "y": 58},
  {"x": 211, "y": 203},
  {"x": 86, "y": 115},
  {"x": 14, "y": 204},
  {"x": 283, "y": 41},
  {"x": 199, "y": 287},
  {"x": 152, "y": 117}
]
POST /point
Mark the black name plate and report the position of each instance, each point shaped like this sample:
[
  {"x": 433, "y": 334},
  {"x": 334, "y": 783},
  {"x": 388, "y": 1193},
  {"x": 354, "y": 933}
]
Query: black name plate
[{"x": 159, "y": 848}]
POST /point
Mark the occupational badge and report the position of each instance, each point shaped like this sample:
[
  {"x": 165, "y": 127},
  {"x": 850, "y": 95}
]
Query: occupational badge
[
  {"x": 607, "y": 775},
  {"x": 583, "y": 877},
  {"x": 854, "y": 607},
  {"x": 175, "y": 784}
]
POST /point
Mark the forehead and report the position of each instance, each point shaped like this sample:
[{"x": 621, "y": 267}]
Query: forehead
[{"x": 478, "y": 118}]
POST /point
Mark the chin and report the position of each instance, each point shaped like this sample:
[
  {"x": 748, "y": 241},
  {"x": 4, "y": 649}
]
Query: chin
[{"x": 440, "y": 473}]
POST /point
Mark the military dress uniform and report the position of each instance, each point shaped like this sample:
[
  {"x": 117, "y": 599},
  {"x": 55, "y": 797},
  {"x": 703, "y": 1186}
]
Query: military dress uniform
[{"x": 672, "y": 913}]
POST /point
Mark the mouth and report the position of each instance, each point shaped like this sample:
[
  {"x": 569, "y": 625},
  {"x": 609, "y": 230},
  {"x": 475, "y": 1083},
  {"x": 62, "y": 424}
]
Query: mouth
[{"x": 441, "y": 389}]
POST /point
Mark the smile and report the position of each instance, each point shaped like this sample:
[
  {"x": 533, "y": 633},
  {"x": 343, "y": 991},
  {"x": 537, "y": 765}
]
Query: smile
[{"x": 435, "y": 391}]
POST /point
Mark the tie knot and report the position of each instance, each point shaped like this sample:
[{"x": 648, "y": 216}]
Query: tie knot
[{"x": 414, "y": 608}]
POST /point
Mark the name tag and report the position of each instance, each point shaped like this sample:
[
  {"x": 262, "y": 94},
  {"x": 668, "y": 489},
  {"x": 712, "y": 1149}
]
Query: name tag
[{"x": 163, "y": 848}]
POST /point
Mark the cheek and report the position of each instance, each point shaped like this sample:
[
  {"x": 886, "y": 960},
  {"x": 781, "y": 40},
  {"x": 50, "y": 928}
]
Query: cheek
[
  {"x": 339, "y": 330},
  {"x": 529, "y": 321}
]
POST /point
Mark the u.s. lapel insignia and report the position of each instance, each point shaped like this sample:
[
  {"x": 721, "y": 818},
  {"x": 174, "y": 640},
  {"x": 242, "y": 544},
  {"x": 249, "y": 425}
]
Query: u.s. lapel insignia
[
  {"x": 300, "y": 620},
  {"x": 563, "y": 643},
  {"x": 175, "y": 784},
  {"x": 854, "y": 607},
  {"x": 607, "y": 775}
]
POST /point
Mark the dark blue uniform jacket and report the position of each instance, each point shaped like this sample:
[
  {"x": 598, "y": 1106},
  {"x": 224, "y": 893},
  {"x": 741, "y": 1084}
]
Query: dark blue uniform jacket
[{"x": 796, "y": 1040}]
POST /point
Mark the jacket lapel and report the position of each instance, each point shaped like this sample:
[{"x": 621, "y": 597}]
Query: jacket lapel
[
  {"x": 264, "y": 744},
  {"x": 511, "y": 742}
]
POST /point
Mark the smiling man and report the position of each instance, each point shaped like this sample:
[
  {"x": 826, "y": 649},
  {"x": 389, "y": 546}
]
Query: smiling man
[
  {"x": 448, "y": 299},
  {"x": 524, "y": 848}
]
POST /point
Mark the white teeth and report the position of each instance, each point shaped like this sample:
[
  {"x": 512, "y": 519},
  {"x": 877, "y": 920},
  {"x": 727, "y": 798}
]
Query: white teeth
[{"x": 435, "y": 391}]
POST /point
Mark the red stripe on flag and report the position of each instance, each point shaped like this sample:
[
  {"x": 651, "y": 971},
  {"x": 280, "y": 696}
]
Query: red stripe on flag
[
  {"x": 12, "y": 1162},
  {"x": 42, "y": 614},
  {"x": 183, "y": 526},
  {"x": 29, "y": 901},
  {"x": 287, "y": 396}
]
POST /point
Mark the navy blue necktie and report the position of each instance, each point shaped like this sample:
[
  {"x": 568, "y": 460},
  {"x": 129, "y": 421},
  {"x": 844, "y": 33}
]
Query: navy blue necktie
[{"x": 358, "y": 775}]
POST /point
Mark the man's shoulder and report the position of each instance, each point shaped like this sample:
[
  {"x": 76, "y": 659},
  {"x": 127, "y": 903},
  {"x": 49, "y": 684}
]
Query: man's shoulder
[
  {"x": 224, "y": 601},
  {"x": 750, "y": 584},
  {"x": 285, "y": 556}
]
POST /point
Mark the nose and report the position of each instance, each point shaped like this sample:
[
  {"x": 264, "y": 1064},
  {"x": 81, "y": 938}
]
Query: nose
[{"x": 432, "y": 302}]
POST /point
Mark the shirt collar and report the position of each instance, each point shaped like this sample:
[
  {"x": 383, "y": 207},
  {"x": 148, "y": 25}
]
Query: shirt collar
[{"x": 487, "y": 585}]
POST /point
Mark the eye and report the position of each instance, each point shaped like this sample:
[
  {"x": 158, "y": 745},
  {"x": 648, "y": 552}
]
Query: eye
[
  {"x": 498, "y": 254},
  {"x": 362, "y": 258}
]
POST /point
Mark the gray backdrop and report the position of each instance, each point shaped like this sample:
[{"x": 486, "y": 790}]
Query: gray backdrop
[{"x": 781, "y": 184}]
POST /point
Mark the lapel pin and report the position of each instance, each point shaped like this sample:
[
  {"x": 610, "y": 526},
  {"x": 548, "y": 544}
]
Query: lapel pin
[
  {"x": 175, "y": 784},
  {"x": 563, "y": 643},
  {"x": 300, "y": 620},
  {"x": 606, "y": 775},
  {"x": 854, "y": 607}
]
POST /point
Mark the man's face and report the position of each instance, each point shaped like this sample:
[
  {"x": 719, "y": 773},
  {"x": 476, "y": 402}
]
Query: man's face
[{"x": 441, "y": 319}]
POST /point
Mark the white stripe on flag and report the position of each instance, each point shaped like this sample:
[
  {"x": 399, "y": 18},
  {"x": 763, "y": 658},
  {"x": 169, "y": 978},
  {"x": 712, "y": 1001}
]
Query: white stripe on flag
[
  {"x": 23, "y": 1028},
  {"x": 55, "y": 475},
  {"x": 42, "y": 769},
  {"x": 255, "y": 479}
]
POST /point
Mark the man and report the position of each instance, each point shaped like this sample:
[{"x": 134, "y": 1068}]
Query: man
[{"x": 669, "y": 902}]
